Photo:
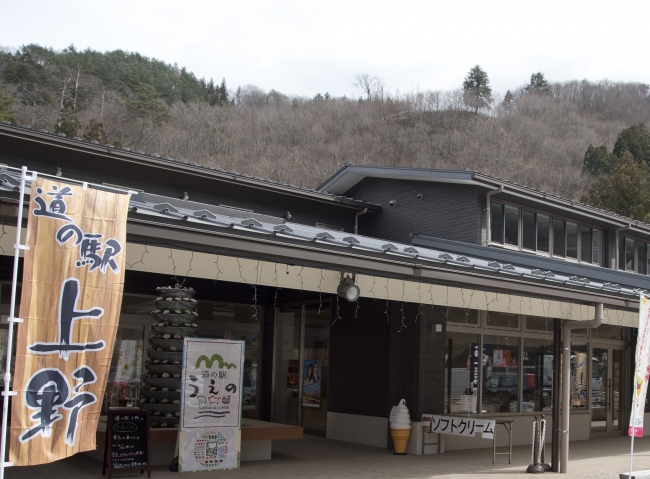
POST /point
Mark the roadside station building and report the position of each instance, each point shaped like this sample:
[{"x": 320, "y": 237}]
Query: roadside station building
[{"x": 465, "y": 282}]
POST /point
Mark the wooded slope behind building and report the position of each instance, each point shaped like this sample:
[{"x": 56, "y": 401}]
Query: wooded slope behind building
[{"x": 536, "y": 137}]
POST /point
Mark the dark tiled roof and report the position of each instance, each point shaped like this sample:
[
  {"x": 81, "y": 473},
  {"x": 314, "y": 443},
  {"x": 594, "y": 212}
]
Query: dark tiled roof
[{"x": 159, "y": 157}]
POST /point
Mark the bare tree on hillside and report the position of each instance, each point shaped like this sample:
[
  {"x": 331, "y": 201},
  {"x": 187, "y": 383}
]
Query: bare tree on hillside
[{"x": 368, "y": 84}]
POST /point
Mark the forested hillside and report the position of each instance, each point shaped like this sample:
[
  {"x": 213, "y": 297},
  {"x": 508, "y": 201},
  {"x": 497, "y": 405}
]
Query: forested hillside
[{"x": 539, "y": 134}]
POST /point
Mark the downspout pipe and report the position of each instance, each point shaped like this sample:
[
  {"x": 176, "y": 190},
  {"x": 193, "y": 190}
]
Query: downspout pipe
[
  {"x": 488, "y": 222},
  {"x": 356, "y": 219},
  {"x": 616, "y": 253},
  {"x": 566, "y": 379}
]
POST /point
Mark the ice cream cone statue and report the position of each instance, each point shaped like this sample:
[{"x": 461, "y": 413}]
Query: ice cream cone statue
[{"x": 400, "y": 427}]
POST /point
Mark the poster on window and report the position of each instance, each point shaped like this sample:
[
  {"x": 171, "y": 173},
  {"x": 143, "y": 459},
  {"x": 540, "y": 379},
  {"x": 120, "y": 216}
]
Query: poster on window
[
  {"x": 579, "y": 390},
  {"x": 212, "y": 383},
  {"x": 498, "y": 358},
  {"x": 311, "y": 383},
  {"x": 642, "y": 369},
  {"x": 127, "y": 362},
  {"x": 292, "y": 374},
  {"x": 73, "y": 279}
]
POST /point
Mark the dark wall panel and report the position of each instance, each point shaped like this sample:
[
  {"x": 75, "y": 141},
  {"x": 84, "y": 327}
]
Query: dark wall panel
[
  {"x": 358, "y": 359},
  {"x": 449, "y": 211},
  {"x": 432, "y": 363}
]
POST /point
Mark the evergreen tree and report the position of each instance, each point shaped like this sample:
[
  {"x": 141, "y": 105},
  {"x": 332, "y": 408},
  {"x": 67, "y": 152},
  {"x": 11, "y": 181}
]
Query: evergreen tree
[
  {"x": 7, "y": 112},
  {"x": 68, "y": 122},
  {"x": 538, "y": 84},
  {"x": 476, "y": 88},
  {"x": 598, "y": 161},
  {"x": 211, "y": 93},
  {"x": 626, "y": 190},
  {"x": 635, "y": 140},
  {"x": 148, "y": 108},
  {"x": 508, "y": 100},
  {"x": 95, "y": 132},
  {"x": 223, "y": 93}
]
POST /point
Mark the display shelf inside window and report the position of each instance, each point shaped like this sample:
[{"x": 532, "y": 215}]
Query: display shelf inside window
[{"x": 174, "y": 319}]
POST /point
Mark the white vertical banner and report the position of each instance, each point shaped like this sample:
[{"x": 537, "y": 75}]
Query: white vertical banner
[
  {"x": 211, "y": 404},
  {"x": 642, "y": 370}
]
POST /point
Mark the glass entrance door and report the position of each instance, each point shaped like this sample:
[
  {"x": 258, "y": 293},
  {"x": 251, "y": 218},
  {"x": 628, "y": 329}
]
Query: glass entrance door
[
  {"x": 606, "y": 384},
  {"x": 301, "y": 367}
]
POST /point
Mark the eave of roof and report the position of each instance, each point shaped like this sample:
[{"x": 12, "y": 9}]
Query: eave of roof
[
  {"x": 125, "y": 154},
  {"x": 197, "y": 217}
]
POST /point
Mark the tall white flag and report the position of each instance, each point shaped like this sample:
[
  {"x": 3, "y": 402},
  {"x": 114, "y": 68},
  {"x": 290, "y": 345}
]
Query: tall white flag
[{"x": 642, "y": 371}]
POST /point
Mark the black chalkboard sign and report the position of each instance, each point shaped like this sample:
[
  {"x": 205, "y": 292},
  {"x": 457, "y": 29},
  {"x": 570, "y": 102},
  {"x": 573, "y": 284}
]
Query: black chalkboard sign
[{"x": 127, "y": 441}]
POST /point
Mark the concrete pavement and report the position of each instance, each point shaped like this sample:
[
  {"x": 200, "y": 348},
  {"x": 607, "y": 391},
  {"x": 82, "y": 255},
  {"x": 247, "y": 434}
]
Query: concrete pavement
[{"x": 314, "y": 458}]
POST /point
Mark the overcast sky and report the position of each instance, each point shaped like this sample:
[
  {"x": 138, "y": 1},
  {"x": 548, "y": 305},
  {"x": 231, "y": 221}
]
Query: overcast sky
[{"x": 309, "y": 47}]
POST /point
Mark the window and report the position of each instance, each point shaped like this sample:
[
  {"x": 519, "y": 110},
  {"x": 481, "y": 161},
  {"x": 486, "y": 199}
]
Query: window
[
  {"x": 642, "y": 249},
  {"x": 535, "y": 231},
  {"x": 536, "y": 323},
  {"x": 500, "y": 390},
  {"x": 559, "y": 238},
  {"x": 462, "y": 317},
  {"x": 463, "y": 363},
  {"x": 571, "y": 240},
  {"x": 585, "y": 242},
  {"x": 633, "y": 255},
  {"x": 531, "y": 231},
  {"x": 597, "y": 246},
  {"x": 502, "y": 320},
  {"x": 511, "y": 225},
  {"x": 543, "y": 233},
  {"x": 497, "y": 222},
  {"x": 626, "y": 254},
  {"x": 537, "y": 386}
]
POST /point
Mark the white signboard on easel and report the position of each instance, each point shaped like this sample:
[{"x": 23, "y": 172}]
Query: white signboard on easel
[{"x": 210, "y": 436}]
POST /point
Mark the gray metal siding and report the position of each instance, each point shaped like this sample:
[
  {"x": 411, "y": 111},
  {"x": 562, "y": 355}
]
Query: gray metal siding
[{"x": 450, "y": 211}]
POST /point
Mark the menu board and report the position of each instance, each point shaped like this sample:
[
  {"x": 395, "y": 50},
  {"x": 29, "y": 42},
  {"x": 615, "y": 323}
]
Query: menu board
[{"x": 127, "y": 441}]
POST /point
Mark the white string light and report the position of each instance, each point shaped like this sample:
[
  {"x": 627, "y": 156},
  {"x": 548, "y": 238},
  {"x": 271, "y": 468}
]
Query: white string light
[
  {"x": 275, "y": 301},
  {"x": 372, "y": 288},
  {"x": 419, "y": 302},
  {"x": 218, "y": 270},
  {"x": 387, "y": 298},
  {"x": 141, "y": 260},
  {"x": 189, "y": 269},
  {"x": 320, "y": 291},
  {"x": 4, "y": 233},
  {"x": 403, "y": 318},
  {"x": 338, "y": 316},
  {"x": 301, "y": 279}
]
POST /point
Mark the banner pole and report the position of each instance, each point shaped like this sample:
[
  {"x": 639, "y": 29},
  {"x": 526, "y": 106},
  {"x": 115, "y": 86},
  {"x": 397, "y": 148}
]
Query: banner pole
[
  {"x": 12, "y": 319},
  {"x": 633, "y": 432}
]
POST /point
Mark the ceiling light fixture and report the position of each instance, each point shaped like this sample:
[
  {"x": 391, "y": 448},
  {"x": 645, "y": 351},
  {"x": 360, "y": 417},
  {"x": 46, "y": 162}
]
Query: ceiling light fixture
[{"x": 348, "y": 290}]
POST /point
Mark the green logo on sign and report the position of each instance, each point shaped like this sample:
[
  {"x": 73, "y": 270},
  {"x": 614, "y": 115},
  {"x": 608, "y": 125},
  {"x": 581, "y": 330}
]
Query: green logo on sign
[{"x": 209, "y": 362}]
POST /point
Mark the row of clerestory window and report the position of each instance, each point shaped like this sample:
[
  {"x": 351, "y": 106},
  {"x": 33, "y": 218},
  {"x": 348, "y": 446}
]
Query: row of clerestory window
[{"x": 528, "y": 230}]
